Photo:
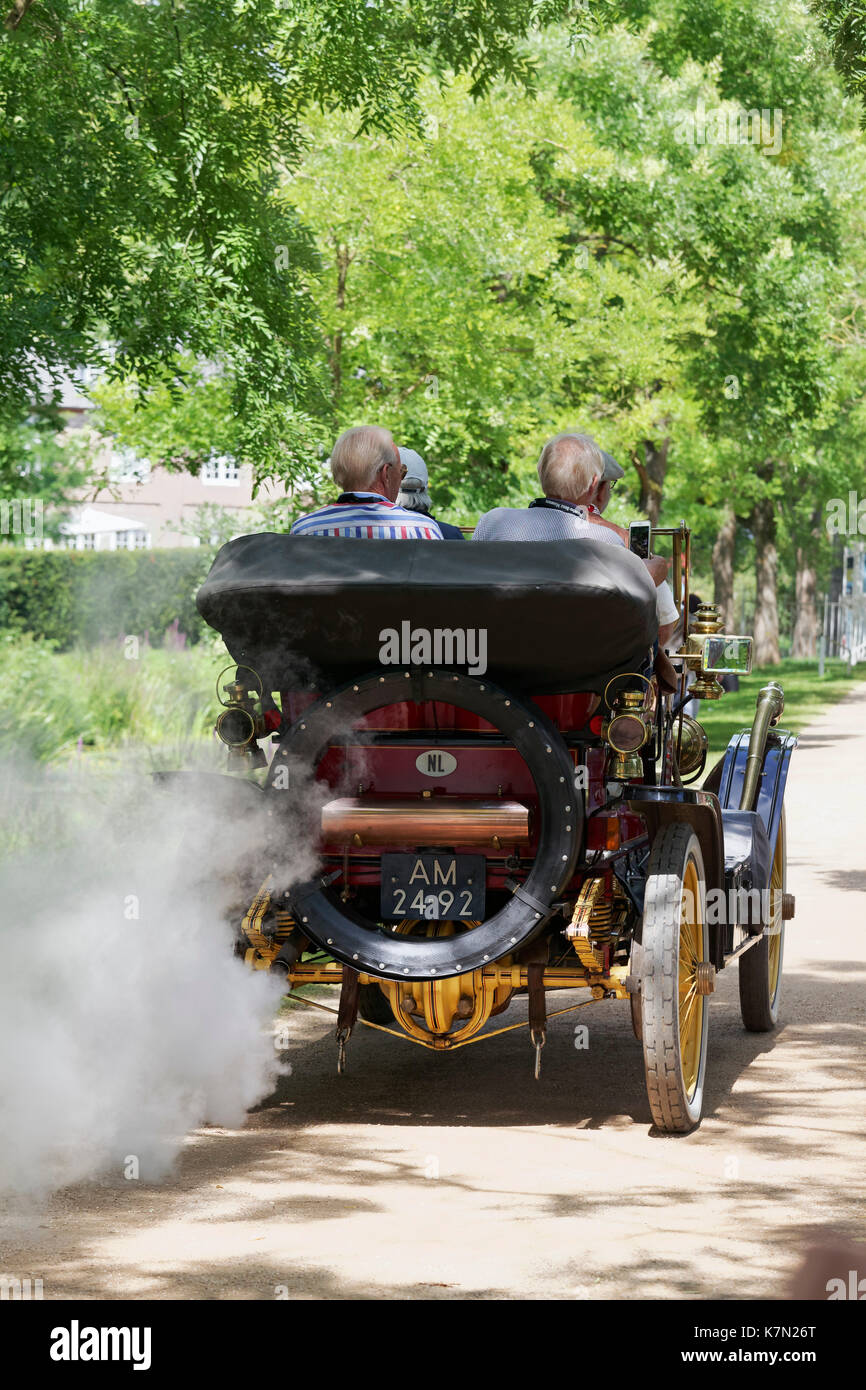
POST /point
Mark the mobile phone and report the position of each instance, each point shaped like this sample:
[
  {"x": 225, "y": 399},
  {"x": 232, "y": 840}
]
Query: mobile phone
[{"x": 639, "y": 538}]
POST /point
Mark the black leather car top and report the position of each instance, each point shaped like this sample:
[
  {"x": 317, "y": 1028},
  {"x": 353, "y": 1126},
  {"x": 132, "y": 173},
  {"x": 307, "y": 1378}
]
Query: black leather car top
[{"x": 557, "y": 615}]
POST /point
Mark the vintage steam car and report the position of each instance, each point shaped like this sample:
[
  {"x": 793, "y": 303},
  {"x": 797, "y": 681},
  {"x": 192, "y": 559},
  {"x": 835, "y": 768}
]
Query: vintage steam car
[{"x": 503, "y": 791}]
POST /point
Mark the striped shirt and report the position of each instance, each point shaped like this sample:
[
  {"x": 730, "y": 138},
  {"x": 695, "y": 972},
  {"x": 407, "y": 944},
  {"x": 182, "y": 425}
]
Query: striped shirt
[{"x": 367, "y": 516}]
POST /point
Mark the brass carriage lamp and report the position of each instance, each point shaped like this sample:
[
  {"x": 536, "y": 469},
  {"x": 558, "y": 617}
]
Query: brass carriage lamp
[
  {"x": 241, "y": 721},
  {"x": 626, "y": 733},
  {"x": 707, "y": 621},
  {"x": 236, "y": 726},
  {"x": 711, "y": 653},
  {"x": 691, "y": 745}
]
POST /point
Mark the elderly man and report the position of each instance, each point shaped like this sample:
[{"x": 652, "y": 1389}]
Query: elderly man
[
  {"x": 570, "y": 470},
  {"x": 366, "y": 467}
]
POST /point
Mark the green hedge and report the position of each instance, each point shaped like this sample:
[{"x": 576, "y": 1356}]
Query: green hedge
[{"x": 73, "y": 597}]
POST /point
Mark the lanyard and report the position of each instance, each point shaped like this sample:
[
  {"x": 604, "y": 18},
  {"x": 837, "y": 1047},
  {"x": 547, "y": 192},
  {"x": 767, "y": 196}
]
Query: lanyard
[
  {"x": 571, "y": 507},
  {"x": 362, "y": 499}
]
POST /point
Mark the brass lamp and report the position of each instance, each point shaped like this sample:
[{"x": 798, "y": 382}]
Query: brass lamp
[
  {"x": 707, "y": 622},
  {"x": 626, "y": 733}
]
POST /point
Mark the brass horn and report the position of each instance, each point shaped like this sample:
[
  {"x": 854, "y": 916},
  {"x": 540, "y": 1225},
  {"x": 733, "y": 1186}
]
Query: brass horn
[{"x": 768, "y": 710}]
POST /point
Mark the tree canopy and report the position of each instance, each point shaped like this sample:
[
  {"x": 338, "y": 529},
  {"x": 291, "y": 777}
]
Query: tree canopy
[
  {"x": 477, "y": 224},
  {"x": 142, "y": 222}
]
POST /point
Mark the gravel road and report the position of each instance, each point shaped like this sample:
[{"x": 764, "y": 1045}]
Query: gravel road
[{"x": 425, "y": 1176}]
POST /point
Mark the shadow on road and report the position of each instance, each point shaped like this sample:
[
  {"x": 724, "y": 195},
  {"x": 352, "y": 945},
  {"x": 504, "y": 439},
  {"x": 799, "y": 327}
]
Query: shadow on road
[
  {"x": 491, "y": 1084},
  {"x": 326, "y": 1150}
]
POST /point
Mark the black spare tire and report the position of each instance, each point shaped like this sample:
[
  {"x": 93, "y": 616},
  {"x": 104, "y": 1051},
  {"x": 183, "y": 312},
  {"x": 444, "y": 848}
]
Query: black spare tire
[{"x": 366, "y": 945}]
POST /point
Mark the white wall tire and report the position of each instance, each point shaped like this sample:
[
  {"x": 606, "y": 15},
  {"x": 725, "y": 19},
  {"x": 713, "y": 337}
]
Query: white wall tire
[{"x": 674, "y": 1013}]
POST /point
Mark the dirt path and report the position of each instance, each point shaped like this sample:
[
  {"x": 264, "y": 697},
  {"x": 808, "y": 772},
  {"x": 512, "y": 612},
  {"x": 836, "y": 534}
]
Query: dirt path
[{"x": 425, "y": 1176}]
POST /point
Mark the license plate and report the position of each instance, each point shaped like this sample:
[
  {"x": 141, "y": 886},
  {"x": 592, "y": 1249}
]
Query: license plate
[{"x": 435, "y": 886}]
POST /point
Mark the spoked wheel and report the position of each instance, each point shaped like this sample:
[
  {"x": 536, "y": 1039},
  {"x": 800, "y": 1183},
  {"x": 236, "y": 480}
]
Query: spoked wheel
[
  {"x": 761, "y": 966},
  {"x": 673, "y": 1009}
]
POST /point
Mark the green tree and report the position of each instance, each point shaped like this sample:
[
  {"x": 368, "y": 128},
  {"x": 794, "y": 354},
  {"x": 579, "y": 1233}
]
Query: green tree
[
  {"x": 434, "y": 253},
  {"x": 39, "y": 468},
  {"x": 755, "y": 211},
  {"x": 844, "y": 23},
  {"x": 141, "y": 148}
]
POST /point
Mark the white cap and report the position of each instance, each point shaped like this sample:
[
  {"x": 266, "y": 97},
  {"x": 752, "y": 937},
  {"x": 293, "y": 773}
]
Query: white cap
[{"x": 414, "y": 464}]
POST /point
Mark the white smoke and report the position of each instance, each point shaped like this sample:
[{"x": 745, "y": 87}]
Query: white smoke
[{"x": 125, "y": 1019}]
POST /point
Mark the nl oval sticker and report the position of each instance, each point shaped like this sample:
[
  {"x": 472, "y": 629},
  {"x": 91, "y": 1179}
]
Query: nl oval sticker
[{"x": 435, "y": 762}]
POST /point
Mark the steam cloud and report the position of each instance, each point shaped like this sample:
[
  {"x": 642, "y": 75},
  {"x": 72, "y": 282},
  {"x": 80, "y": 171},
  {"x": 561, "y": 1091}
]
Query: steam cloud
[{"x": 125, "y": 1020}]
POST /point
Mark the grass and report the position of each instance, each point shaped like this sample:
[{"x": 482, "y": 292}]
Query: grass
[
  {"x": 806, "y": 695},
  {"x": 92, "y": 704},
  {"x": 71, "y": 723},
  {"x": 60, "y": 706},
  {"x": 70, "y": 720}
]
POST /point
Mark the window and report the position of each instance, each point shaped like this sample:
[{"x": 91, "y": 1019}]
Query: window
[
  {"x": 132, "y": 540},
  {"x": 125, "y": 467},
  {"x": 221, "y": 471},
  {"x": 85, "y": 540}
]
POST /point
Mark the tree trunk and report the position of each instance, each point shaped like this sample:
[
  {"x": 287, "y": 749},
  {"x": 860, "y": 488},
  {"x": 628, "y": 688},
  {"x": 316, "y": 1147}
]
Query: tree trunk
[
  {"x": 805, "y": 638},
  {"x": 343, "y": 261},
  {"x": 651, "y": 471},
  {"x": 835, "y": 586},
  {"x": 723, "y": 571},
  {"x": 766, "y": 634},
  {"x": 16, "y": 14}
]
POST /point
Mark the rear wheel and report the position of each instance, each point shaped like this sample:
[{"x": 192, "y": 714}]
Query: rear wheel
[
  {"x": 761, "y": 966},
  {"x": 673, "y": 1008}
]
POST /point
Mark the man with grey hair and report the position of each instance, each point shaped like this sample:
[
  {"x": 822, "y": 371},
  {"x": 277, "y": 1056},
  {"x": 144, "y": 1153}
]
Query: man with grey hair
[
  {"x": 569, "y": 464},
  {"x": 366, "y": 466},
  {"x": 570, "y": 469}
]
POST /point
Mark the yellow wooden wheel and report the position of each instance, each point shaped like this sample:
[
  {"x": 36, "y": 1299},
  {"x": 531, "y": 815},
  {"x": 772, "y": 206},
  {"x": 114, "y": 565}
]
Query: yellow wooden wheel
[
  {"x": 761, "y": 966},
  {"x": 691, "y": 1003},
  {"x": 673, "y": 979}
]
